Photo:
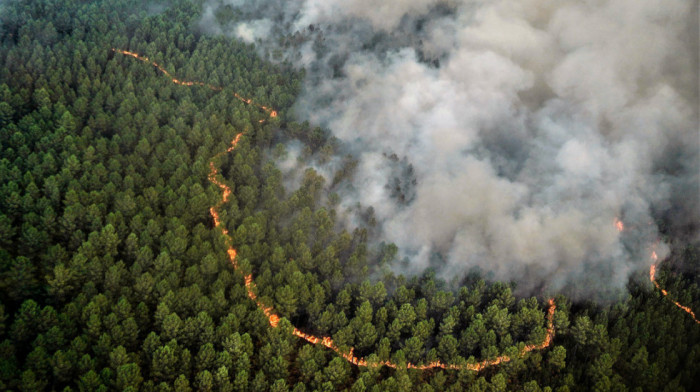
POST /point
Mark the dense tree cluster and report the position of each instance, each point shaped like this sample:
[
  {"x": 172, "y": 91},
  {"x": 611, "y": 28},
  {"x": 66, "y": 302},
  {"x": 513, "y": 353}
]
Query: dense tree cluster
[{"x": 113, "y": 278}]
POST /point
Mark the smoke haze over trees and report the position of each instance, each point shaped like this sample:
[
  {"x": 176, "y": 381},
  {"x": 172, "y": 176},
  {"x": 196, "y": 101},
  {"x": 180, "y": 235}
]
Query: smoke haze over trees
[
  {"x": 529, "y": 126},
  {"x": 114, "y": 275}
]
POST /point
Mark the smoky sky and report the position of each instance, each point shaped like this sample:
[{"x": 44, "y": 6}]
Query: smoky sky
[{"x": 502, "y": 135}]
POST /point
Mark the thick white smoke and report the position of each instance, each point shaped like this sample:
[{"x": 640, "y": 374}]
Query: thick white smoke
[{"x": 530, "y": 125}]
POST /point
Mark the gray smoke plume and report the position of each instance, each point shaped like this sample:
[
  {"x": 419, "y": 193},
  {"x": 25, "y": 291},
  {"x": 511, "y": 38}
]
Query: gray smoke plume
[{"x": 506, "y": 135}]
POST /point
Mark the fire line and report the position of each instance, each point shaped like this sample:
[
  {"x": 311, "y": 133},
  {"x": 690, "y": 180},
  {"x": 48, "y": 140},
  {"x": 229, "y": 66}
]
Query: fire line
[
  {"x": 326, "y": 341},
  {"x": 269, "y": 312},
  {"x": 272, "y": 113},
  {"x": 652, "y": 277}
]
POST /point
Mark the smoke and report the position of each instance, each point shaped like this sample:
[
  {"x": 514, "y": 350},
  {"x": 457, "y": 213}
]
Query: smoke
[{"x": 504, "y": 135}]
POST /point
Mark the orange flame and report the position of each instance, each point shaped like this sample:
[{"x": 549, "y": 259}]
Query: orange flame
[
  {"x": 269, "y": 312},
  {"x": 326, "y": 341},
  {"x": 271, "y": 113},
  {"x": 350, "y": 357},
  {"x": 619, "y": 225},
  {"x": 652, "y": 277}
]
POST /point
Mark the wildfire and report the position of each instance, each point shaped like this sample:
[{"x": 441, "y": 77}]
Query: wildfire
[
  {"x": 350, "y": 357},
  {"x": 619, "y": 225},
  {"x": 269, "y": 312},
  {"x": 326, "y": 341},
  {"x": 652, "y": 277},
  {"x": 271, "y": 113}
]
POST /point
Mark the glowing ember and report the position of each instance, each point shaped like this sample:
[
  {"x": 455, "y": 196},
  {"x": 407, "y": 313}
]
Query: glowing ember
[
  {"x": 619, "y": 225},
  {"x": 269, "y": 312}
]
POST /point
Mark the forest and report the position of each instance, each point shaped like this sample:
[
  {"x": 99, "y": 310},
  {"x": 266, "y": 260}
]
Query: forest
[{"x": 115, "y": 276}]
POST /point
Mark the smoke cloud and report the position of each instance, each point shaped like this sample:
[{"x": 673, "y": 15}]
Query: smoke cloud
[{"x": 504, "y": 135}]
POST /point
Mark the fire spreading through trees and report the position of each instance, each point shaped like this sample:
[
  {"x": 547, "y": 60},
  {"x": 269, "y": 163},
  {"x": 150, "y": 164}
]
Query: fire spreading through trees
[
  {"x": 652, "y": 276},
  {"x": 145, "y": 59},
  {"x": 326, "y": 341},
  {"x": 268, "y": 310}
]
